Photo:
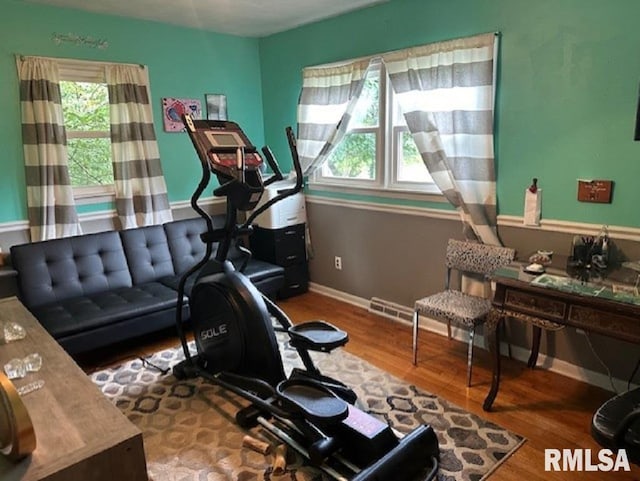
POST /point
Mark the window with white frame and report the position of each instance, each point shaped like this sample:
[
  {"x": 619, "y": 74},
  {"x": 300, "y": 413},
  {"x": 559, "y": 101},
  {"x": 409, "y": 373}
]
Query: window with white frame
[
  {"x": 85, "y": 106},
  {"x": 377, "y": 150}
]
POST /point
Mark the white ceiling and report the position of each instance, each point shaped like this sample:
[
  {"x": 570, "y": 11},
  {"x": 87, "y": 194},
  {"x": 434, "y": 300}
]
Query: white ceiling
[{"x": 247, "y": 18}]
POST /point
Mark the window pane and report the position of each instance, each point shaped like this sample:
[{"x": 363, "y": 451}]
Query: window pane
[
  {"x": 366, "y": 111},
  {"x": 90, "y": 162},
  {"x": 410, "y": 166},
  {"x": 353, "y": 158},
  {"x": 85, "y": 105}
]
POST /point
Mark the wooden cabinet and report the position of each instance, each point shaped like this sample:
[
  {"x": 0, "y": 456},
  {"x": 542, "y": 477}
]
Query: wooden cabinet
[{"x": 285, "y": 247}]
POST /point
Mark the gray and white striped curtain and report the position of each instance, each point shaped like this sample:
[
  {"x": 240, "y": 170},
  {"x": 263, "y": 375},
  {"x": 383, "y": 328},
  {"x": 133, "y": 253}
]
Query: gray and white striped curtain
[
  {"x": 446, "y": 92},
  {"x": 51, "y": 207},
  {"x": 327, "y": 100},
  {"x": 141, "y": 191}
]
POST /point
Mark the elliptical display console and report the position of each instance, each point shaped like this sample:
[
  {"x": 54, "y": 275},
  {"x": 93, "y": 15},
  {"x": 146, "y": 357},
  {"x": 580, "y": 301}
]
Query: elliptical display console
[{"x": 237, "y": 347}]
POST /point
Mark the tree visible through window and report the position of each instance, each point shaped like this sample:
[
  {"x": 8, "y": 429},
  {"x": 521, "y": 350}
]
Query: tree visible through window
[
  {"x": 355, "y": 156},
  {"x": 85, "y": 107},
  {"x": 377, "y": 149}
]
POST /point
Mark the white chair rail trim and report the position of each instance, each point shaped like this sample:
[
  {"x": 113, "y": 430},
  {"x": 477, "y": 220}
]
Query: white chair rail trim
[
  {"x": 569, "y": 227},
  {"x": 551, "y": 225},
  {"x": 22, "y": 225}
]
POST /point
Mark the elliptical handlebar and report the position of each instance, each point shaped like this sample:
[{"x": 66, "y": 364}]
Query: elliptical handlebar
[
  {"x": 293, "y": 147},
  {"x": 277, "y": 173}
]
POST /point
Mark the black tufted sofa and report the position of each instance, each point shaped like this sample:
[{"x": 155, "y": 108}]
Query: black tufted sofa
[{"x": 93, "y": 290}]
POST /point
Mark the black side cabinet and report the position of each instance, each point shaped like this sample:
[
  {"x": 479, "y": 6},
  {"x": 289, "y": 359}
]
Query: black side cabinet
[{"x": 285, "y": 247}]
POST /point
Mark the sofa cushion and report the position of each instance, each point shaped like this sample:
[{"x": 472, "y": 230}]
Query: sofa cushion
[
  {"x": 258, "y": 270},
  {"x": 59, "y": 269},
  {"x": 89, "y": 340},
  {"x": 147, "y": 252},
  {"x": 185, "y": 245},
  {"x": 83, "y": 313},
  {"x": 187, "y": 249},
  {"x": 174, "y": 281}
]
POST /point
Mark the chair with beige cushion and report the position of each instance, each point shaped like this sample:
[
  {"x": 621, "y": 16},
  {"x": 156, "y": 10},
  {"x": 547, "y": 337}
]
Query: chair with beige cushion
[{"x": 454, "y": 306}]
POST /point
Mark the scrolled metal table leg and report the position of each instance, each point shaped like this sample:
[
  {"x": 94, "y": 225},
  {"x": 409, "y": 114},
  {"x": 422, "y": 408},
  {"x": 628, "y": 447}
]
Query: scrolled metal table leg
[
  {"x": 492, "y": 327},
  {"x": 535, "y": 347}
]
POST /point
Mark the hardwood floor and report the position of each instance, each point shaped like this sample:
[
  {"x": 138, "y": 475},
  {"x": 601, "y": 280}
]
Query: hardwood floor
[{"x": 551, "y": 411}]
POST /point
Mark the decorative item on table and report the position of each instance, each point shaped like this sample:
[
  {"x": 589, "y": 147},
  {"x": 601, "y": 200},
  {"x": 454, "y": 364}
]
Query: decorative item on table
[
  {"x": 534, "y": 268},
  {"x": 18, "y": 368},
  {"x": 11, "y": 331},
  {"x": 542, "y": 257},
  {"x": 173, "y": 109},
  {"x": 626, "y": 290},
  {"x": 29, "y": 388},
  {"x": 633, "y": 265},
  {"x": 591, "y": 251}
]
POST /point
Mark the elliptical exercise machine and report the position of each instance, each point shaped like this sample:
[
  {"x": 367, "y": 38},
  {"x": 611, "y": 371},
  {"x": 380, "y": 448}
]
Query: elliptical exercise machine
[{"x": 236, "y": 343}]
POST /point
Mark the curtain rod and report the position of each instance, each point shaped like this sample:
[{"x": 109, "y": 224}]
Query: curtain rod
[
  {"x": 339, "y": 63},
  {"x": 75, "y": 60}
]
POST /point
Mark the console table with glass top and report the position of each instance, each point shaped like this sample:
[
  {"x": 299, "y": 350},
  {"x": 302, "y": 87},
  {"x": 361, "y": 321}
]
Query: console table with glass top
[{"x": 602, "y": 303}]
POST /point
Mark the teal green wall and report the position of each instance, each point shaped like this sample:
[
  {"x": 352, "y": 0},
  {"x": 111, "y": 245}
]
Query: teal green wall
[
  {"x": 567, "y": 88},
  {"x": 182, "y": 63}
]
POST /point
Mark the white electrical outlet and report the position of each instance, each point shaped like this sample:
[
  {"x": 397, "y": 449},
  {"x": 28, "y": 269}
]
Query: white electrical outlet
[{"x": 338, "y": 263}]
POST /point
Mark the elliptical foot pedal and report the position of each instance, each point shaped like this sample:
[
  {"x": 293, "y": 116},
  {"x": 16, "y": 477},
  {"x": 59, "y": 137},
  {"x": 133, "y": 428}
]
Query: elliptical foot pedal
[
  {"x": 313, "y": 401},
  {"x": 317, "y": 336},
  {"x": 338, "y": 388},
  {"x": 417, "y": 451}
]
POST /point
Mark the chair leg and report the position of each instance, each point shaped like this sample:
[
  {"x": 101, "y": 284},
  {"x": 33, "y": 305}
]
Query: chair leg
[
  {"x": 415, "y": 337},
  {"x": 470, "y": 355},
  {"x": 449, "y": 329}
]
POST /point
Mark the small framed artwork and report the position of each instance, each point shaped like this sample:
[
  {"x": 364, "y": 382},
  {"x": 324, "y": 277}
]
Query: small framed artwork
[
  {"x": 172, "y": 110},
  {"x": 216, "y": 106}
]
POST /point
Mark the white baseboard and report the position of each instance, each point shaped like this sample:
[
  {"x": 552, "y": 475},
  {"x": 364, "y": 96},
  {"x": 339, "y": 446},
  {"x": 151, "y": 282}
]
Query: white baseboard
[
  {"x": 339, "y": 295},
  {"x": 519, "y": 353}
]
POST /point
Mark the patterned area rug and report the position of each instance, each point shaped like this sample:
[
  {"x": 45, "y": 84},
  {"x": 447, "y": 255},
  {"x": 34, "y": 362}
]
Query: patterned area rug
[{"x": 190, "y": 433}]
